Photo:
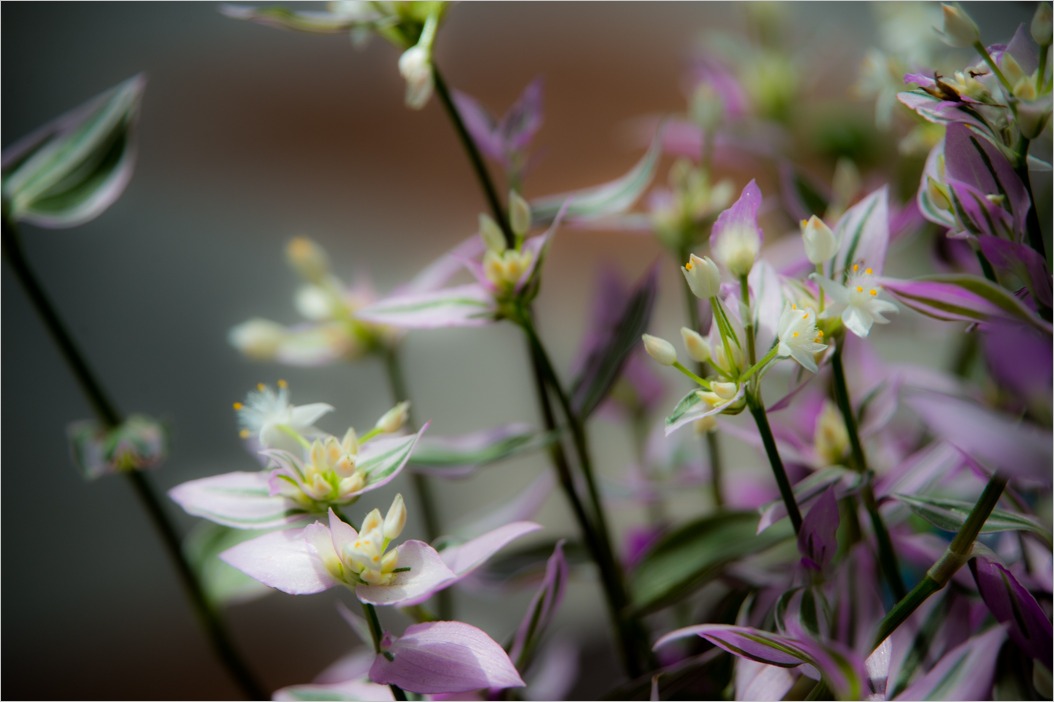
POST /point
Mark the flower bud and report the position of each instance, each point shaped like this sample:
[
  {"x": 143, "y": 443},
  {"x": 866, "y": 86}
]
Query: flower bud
[
  {"x": 959, "y": 30},
  {"x": 703, "y": 276},
  {"x": 308, "y": 258},
  {"x": 258, "y": 339},
  {"x": 415, "y": 65},
  {"x": 394, "y": 419},
  {"x": 519, "y": 214},
  {"x": 395, "y": 520},
  {"x": 698, "y": 349},
  {"x": 1032, "y": 117},
  {"x": 660, "y": 349},
  {"x": 726, "y": 391},
  {"x": 1041, "y": 24},
  {"x": 491, "y": 234},
  {"x": 820, "y": 244}
]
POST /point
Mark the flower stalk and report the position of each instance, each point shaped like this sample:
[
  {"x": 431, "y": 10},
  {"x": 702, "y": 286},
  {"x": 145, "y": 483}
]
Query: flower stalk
[
  {"x": 377, "y": 634},
  {"x": 757, "y": 410}
]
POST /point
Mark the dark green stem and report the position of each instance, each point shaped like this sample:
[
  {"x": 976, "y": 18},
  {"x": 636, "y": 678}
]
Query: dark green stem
[
  {"x": 711, "y": 443},
  {"x": 377, "y": 634},
  {"x": 955, "y": 556},
  {"x": 108, "y": 415},
  {"x": 421, "y": 486},
  {"x": 757, "y": 410},
  {"x": 887, "y": 557},
  {"x": 476, "y": 159}
]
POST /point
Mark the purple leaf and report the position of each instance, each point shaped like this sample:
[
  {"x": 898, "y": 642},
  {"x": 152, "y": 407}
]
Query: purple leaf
[
  {"x": 1004, "y": 443},
  {"x": 755, "y": 644},
  {"x": 542, "y": 607},
  {"x": 503, "y": 140},
  {"x": 758, "y": 681},
  {"x": 1020, "y": 260},
  {"x": 973, "y": 161},
  {"x": 818, "y": 538},
  {"x": 963, "y": 298},
  {"x": 445, "y": 657},
  {"x": 965, "y": 673},
  {"x": 284, "y": 560},
  {"x": 1020, "y": 359},
  {"x": 1015, "y": 608}
]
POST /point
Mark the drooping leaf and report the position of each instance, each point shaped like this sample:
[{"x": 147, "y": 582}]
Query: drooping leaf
[
  {"x": 692, "y": 555},
  {"x": 1015, "y": 608},
  {"x": 541, "y": 609},
  {"x": 950, "y": 515},
  {"x": 818, "y": 539},
  {"x": 72, "y": 169},
  {"x": 602, "y": 366}
]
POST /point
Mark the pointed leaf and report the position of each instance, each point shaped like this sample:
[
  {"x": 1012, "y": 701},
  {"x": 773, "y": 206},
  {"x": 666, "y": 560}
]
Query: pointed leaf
[
  {"x": 313, "y": 21},
  {"x": 382, "y": 459},
  {"x": 818, "y": 539},
  {"x": 960, "y": 297},
  {"x": 602, "y": 366},
  {"x": 463, "y": 306},
  {"x": 1015, "y": 608},
  {"x": 542, "y": 608},
  {"x": 950, "y": 515},
  {"x": 692, "y": 555},
  {"x": 863, "y": 234},
  {"x": 692, "y": 407},
  {"x": 965, "y": 673},
  {"x": 459, "y": 456}
]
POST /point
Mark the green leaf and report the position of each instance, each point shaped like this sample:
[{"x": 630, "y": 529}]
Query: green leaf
[
  {"x": 223, "y": 584},
  {"x": 71, "y": 170},
  {"x": 448, "y": 456},
  {"x": 689, "y": 557},
  {"x": 601, "y": 200},
  {"x": 603, "y": 365},
  {"x": 949, "y": 515}
]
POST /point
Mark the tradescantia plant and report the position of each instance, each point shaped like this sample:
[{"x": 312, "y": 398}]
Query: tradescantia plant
[{"x": 801, "y": 513}]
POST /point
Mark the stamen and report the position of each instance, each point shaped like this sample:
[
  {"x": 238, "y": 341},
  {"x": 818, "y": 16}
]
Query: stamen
[
  {"x": 859, "y": 288},
  {"x": 238, "y": 407},
  {"x": 867, "y": 271},
  {"x": 873, "y": 292},
  {"x": 856, "y": 267},
  {"x": 282, "y": 384},
  {"x": 688, "y": 266},
  {"x": 261, "y": 387},
  {"x": 244, "y": 433}
]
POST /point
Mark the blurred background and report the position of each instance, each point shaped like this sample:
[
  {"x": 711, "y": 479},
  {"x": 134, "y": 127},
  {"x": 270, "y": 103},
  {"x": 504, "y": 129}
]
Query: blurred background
[{"x": 248, "y": 136}]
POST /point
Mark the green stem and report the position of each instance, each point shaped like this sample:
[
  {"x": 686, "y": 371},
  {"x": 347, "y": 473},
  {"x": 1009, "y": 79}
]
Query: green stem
[
  {"x": 421, "y": 486},
  {"x": 886, "y": 555},
  {"x": 759, "y": 365},
  {"x": 108, "y": 415},
  {"x": 748, "y": 319},
  {"x": 480, "y": 169},
  {"x": 700, "y": 381},
  {"x": 377, "y": 634},
  {"x": 757, "y": 410},
  {"x": 955, "y": 556},
  {"x": 980, "y": 48}
]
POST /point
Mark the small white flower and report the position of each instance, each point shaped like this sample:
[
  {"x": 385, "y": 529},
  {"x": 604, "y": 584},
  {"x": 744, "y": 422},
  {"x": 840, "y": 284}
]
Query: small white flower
[
  {"x": 703, "y": 276},
  {"x": 660, "y": 349},
  {"x": 269, "y": 417},
  {"x": 738, "y": 248},
  {"x": 858, "y": 302},
  {"x": 819, "y": 240},
  {"x": 415, "y": 65},
  {"x": 798, "y": 336}
]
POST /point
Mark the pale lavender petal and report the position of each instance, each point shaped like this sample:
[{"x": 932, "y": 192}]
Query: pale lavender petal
[
  {"x": 1015, "y": 608},
  {"x": 542, "y": 607},
  {"x": 863, "y": 233},
  {"x": 1002, "y": 442},
  {"x": 480, "y": 124},
  {"x": 427, "y": 576},
  {"x": 767, "y": 291},
  {"x": 755, "y": 644},
  {"x": 469, "y": 305},
  {"x": 964, "y": 673},
  {"x": 759, "y": 681},
  {"x": 817, "y": 540},
  {"x": 461, "y": 456},
  {"x": 284, "y": 560},
  {"x": 464, "y": 558},
  {"x": 340, "y": 532},
  {"x": 933, "y": 109},
  {"x": 743, "y": 214},
  {"x": 442, "y": 657},
  {"x": 241, "y": 500},
  {"x": 945, "y": 298}
]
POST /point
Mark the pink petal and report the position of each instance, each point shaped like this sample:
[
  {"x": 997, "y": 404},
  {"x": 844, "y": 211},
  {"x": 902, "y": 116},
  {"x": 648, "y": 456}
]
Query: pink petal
[
  {"x": 442, "y": 657},
  {"x": 241, "y": 500},
  {"x": 283, "y": 560},
  {"x": 466, "y": 557}
]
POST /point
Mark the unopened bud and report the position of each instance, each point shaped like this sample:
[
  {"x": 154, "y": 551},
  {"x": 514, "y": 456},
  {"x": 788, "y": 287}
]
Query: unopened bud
[
  {"x": 395, "y": 520},
  {"x": 258, "y": 339},
  {"x": 415, "y": 65},
  {"x": 819, "y": 240},
  {"x": 1041, "y": 25},
  {"x": 519, "y": 214},
  {"x": 1032, "y": 117},
  {"x": 703, "y": 276},
  {"x": 660, "y": 349},
  {"x": 959, "y": 30},
  {"x": 698, "y": 349},
  {"x": 394, "y": 419},
  {"x": 491, "y": 234},
  {"x": 308, "y": 258},
  {"x": 726, "y": 391}
]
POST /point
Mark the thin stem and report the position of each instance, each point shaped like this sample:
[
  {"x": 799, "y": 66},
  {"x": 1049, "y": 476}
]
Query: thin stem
[
  {"x": 886, "y": 555},
  {"x": 980, "y": 48},
  {"x": 420, "y": 484},
  {"x": 108, "y": 415},
  {"x": 700, "y": 381},
  {"x": 748, "y": 319},
  {"x": 480, "y": 169},
  {"x": 955, "y": 556},
  {"x": 377, "y": 634},
  {"x": 757, "y": 410}
]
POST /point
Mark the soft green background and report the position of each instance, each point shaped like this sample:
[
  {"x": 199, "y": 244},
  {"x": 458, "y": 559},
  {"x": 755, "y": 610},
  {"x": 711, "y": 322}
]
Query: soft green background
[{"x": 249, "y": 136}]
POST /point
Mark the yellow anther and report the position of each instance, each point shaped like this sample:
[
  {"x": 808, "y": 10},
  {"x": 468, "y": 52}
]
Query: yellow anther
[
  {"x": 805, "y": 315},
  {"x": 282, "y": 384},
  {"x": 793, "y": 306},
  {"x": 238, "y": 407},
  {"x": 867, "y": 271},
  {"x": 856, "y": 267},
  {"x": 794, "y": 334},
  {"x": 261, "y": 387},
  {"x": 244, "y": 433},
  {"x": 688, "y": 266},
  {"x": 873, "y": 292},
  {"x": 819, "y": 333},
  {"x": 859, "y": 288}
]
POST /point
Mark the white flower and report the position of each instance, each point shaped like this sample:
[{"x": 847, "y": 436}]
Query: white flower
[
  {"x": 798, "y": 336},
  {"x": 415, "y": 65},
  {"x": 820, "y": 242},
  {"x": 660, "y": 349},
  {"x": 269, "y": 417},
  {"x": 703, "y": 276},
  {"x": 858, "y": 301}
]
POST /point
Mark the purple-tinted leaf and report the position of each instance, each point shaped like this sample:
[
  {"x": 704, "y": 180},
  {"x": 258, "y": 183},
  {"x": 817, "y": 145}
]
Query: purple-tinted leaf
[
  {"x": 965, "y": 673},
  {"x": 541, "y": 609},
  {"x": 427, "y": 575},
  {"x": 1003, "y": 443},
  {"x": 960, "y": 298},
  {"x": 445, "y": 657},
  {"x": 1015, "y": 608},
  {"x": 481, "y": 126},
  {"x": 503, "y": 139},
  {"x": 620, "y": 318},
  {"x": 950, "y": 515},
  {"x": 863, "y": 234},
  {"x": 382, "y": 458},
  {"x": 241, "y": 500},
  {"x": 976, "y": 162},
  {"x": 742, "y": 215},
  {"x": 313, "y": 21},
  {"x": 759, "y": 681},
  {"x": 463, "y": 306},
  {"x": 818, "y": 538},
  {"x": 436, "y": 274},
  {"x": 460, "y": 456},
  {"x": 1020, "y": 359},
  {"x": 746, "y": 642},
  {"x": 284, "y": 560},
  {"x": 933, "y": 109},
  {"x": 71, "y": 170},
  {"x": 1020, "y": 260}
]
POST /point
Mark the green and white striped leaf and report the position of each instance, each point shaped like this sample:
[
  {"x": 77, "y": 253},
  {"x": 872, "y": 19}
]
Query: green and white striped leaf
[
  {"x": 382, "y": 459},
  {"x": 950, "y": 515},
  {"x": 72, "y": 169},
  {"x": 459, "y": 456},
  {"x": 462, "y": 306}
]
